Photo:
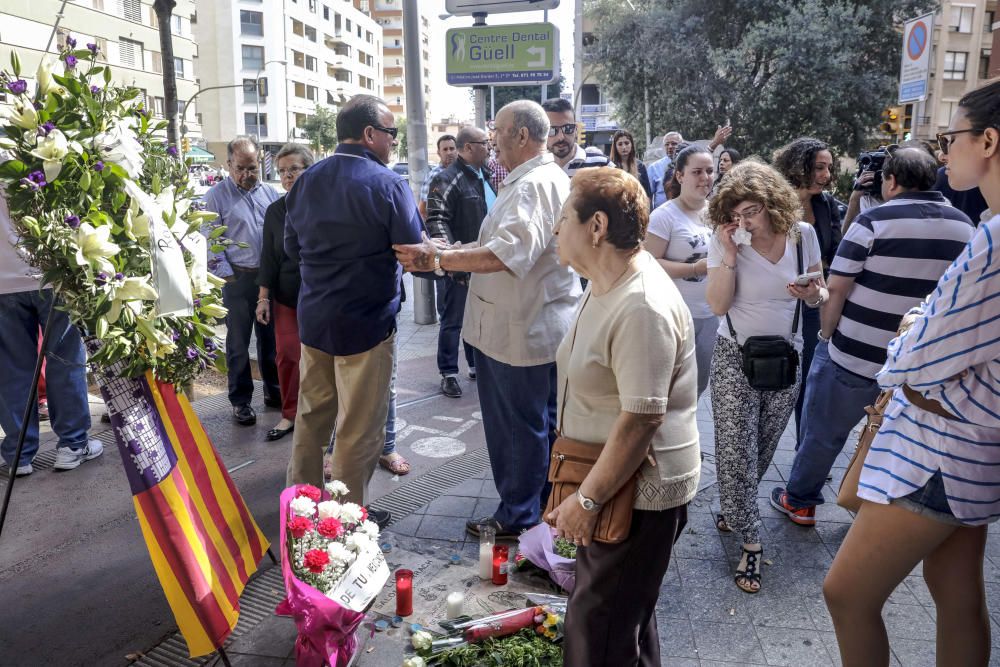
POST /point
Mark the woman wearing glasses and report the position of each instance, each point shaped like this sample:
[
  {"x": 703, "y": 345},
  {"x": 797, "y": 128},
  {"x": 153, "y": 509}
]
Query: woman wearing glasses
[
  {"x": 930, "y": 480},
  {"x": 278, "y": 289},
  {"x": 757, "y": 251}
]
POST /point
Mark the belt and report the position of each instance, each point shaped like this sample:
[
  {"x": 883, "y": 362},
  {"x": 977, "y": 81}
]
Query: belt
[
  {"x": 243, "y": 269},
  {"x": 928, "y": 404}
]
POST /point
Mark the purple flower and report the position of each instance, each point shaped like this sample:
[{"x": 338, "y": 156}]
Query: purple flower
[
  {"x": 197, "y": 302},
  {"x": 209, "y": 344},
  {"x": 35, "y": 180},
  {"x": 18, "y": 86},
  {"x": 30, "y": 184},
  {"x": 98, "y": 166},
  {"x": 95, "y": 90},
  {"x": 46, "y": 127},
  {"x": 70, "y": 61},
  {"x": 119, "y": 276},
  {"x": 101, "y": 279},
  {"x": 192, "y": 353},
  {"x": 38, "y": 105},
  {"x": 72, "y": 220},
  {"x": 172, "y": 151},
  {"x": 175, "y": 335},
  {"x": 93, "y": 47},
  {"x": 70, "y": 42}
]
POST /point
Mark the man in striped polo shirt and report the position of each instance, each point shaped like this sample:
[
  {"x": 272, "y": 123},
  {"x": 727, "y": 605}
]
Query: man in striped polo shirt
[
  {"x": 562, "y": 139},
  {"x": 889, "y": 260}
]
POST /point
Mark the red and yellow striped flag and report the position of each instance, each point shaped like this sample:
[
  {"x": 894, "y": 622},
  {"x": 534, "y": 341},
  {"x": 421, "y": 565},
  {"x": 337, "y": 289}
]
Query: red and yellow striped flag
[{"x": 202, "y": 540}]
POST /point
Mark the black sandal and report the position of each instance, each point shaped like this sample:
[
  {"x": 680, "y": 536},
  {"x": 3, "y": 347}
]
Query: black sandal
[
  {"x": 721, "y": 525},
  {"x": 750, "y": 575}
]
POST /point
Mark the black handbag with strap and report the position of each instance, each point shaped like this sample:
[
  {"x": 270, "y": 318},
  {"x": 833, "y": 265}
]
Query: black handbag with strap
[{"x": 770, "y": 362}]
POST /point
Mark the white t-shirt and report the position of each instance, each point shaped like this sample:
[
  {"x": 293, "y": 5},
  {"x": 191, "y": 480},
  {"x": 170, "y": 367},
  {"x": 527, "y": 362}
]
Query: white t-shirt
[
  {"x": 15, "y": 274},
  {"x": 687, "y": 238},
  {"x": 761, "y": 304}
]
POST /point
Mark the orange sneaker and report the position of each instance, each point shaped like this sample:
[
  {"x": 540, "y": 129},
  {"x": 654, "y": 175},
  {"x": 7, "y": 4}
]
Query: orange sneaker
[{"x": 805, "y": 516}]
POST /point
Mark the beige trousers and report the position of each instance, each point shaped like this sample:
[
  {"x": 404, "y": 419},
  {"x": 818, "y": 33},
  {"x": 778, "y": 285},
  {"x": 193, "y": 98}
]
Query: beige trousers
[{"x": 351, "y": 394}]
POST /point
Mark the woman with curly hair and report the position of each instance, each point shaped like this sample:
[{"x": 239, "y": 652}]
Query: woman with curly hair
[
  {"x": 807, "y": 164},
  {"x": 623, "y": 155},
  {"x": 757, "y": 251}
]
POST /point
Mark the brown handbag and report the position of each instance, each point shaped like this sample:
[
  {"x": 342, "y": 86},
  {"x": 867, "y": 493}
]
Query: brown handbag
[
  {"x": 847, "y": 496},
  {"x": 571, "y": 462}
]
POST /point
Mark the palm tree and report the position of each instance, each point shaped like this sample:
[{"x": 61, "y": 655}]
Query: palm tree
[{"x": 164, "y": 9}]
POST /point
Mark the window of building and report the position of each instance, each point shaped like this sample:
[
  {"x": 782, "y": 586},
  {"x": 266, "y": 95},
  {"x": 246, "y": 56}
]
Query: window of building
[
  {"x": 298, "y": 28},
  {"x": 251, "y": 23},
  {"x": 347, "y": 23},
  {"x": 336, "y": 22},
  {"x": 310, "y": 33},
  {"x": 298, "y": 58},
  {"x": 312, "y": 6},
  {"x": 311, "y": 63},
  {"x": 255, "y": 126},
  {"x": 368, "y": 36},
  {"x": 326, "y": 13},
  {"x": 158, "y": 107},
  {"x": 301, "y": 119},
  {"x": 984, "y": 63},
  {"x": 946, "y": 109},
  {"x": 179, "y": 68},
  {"x": 988, "y": 22},
  {"x": 954, "y": 65},
  {"x": 130, "y": 9},
  {"x": 249, "y": 91},
  {"x": 176, "y": 24},
  {"x": 359, "y": 32},
  {"x": 961, "y": 18},
  {"x": 312, "y": 93},
  {"x": 157, "y": 61},
  {"x": 130, "y": 53},
  {"x": 253, "y": 57},
  {"x": 299, "y": 88}
]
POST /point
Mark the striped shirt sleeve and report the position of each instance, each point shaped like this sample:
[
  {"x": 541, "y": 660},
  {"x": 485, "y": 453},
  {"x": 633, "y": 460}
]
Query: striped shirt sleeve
[
  {"x": 952, "y": 352},
  {"x": 854, "y": 248}
]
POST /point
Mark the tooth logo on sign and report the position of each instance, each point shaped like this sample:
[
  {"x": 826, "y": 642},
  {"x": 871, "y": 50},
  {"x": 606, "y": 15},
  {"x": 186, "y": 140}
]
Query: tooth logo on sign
[{"x": 458, "y": 46}]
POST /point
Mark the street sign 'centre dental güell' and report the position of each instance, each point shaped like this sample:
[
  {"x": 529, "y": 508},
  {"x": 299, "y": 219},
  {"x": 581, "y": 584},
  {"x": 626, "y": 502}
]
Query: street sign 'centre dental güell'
[{"x": 505, "y": 54}]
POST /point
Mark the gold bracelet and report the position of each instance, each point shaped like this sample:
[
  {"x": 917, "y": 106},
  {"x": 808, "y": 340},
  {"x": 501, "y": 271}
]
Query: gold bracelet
[{"x": 731, "y": 268}]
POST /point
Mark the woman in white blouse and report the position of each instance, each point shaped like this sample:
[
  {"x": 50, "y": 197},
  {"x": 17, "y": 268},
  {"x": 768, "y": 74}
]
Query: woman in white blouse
[
  {"x": 758, "y": 250},
  {"x": 678, "y": 238},
  {"x": 931, "y": 480},
  {"x": 627, "y": 383}
]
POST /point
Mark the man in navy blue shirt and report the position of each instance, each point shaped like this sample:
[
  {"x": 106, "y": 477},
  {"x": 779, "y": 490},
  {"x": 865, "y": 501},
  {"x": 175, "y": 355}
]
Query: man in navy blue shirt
[{"x": 344, "y": 215}]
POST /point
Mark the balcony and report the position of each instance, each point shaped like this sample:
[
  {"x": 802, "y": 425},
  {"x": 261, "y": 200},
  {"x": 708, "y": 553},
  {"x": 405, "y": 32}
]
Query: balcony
[{"x": 595, "y": 108}]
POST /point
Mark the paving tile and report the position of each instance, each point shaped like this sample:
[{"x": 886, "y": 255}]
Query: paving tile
[
  {"x": 793, "y": 648},
  {"x": 453, "y": 506},
  {"x": 801, "y": 554},
  {"x": 671, "y": 603},
  {"x": 470, "y": 488},
  {"x": 727, "y": 643},
  {"x": 485, "y": 507},
  {"x": 676, "y": 639},
  {"x": 781, "y": 528},
  {"x": 442, "y": 528},
  {"x": 406, "y": 526},
  {"x": 274, "y": 637},
  {"x": 913, "y": 652},
  {"x": 908, "y": 621},
  {"x": 767, "y": 610},
  {"x": 918, "y": 589},
  {"x": 700, "y": 544}
]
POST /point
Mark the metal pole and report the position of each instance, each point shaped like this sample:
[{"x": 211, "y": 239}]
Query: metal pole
[
  {"x": 424, "y": 311},
  {"x": 545, "y": 86},
  {"x": 577, "y": 55},
  {"x": 29, "y": 409},
  {"x": 493, "y": 105},
  {"x": 55, "y": 26},
  {"x": 479, "y": 92}
]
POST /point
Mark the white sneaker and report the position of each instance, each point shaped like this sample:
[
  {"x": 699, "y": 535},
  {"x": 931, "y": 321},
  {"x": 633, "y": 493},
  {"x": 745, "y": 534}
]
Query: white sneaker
[
  {"x": 68, "y": 459},
  {"x": 24, "y": 471}
]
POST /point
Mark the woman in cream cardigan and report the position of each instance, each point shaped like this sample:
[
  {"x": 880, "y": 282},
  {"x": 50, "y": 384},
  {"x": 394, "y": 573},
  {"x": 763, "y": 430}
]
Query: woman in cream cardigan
[{"x": 628, "y": 383}]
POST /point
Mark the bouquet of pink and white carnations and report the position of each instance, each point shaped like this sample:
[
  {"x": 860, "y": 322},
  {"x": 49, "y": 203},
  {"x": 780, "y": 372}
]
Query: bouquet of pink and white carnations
[{"x": 333, "y": 569}]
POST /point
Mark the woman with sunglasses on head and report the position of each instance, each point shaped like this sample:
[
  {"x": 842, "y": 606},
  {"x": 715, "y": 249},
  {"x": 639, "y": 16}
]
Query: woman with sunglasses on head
[
  {"x": 623, "y": 156},
  {"x": 807, "y": 164},
  {"x": 929, "y": 483},
  {"x": 758, "y": 251},
  {"x": 678, "y": 238},
  {"x": 728, "y": 158}
]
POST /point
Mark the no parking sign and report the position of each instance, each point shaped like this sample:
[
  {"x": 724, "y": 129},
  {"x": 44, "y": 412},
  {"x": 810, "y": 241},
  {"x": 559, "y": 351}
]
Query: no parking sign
[{"x": 915, "y": 64}]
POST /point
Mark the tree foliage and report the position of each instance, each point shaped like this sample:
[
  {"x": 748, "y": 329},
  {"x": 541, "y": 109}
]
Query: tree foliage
[
  {"x": 503, "y": 95},
  {"x": 321, "y": 129},
  {"x": 777, "y": 69},
  {"x": 403, "y": 146}
]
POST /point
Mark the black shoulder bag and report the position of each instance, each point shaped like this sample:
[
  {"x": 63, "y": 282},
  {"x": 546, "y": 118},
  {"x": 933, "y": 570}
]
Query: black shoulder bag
[{"x": 770, "y": 362}]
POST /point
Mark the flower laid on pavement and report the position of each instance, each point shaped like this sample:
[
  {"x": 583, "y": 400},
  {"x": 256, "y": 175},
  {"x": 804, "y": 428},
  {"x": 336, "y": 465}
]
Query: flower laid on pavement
[
  {"x": 421, "y": 640},
  {"x": 414, "y": 661}
]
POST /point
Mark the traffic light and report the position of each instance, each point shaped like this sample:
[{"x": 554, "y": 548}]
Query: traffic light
[
  {"x": 262, "y": 86},
  {"x": 185, "y": 146},
  {"x": 891, "y": 121},
  {"x": 907, "y": 122},
  {"x": 581, "y": 134}
]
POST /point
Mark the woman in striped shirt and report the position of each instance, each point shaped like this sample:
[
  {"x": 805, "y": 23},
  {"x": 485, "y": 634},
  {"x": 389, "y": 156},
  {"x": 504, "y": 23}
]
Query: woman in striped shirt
[{"x": 931, "y": 480}]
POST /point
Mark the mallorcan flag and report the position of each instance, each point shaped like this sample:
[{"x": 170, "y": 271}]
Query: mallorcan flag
[{"x": 202, "y": 540}]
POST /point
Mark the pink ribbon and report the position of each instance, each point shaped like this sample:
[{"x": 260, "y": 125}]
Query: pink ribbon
[{"x": 326, "y": 629}]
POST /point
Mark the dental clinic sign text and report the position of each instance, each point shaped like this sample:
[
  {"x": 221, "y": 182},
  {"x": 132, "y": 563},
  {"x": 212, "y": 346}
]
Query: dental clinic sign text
[{"x": 504, "y": 54}]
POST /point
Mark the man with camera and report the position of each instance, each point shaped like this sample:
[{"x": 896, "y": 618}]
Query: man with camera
[
  {"x": 867, "y": 193},
  {"x": 888, "y": 261}
]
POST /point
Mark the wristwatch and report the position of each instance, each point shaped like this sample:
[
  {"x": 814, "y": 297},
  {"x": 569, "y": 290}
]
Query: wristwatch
[
  {"x": 588, "y": 503},
  {"x": 819, "y": 335},
  {"x": 437, "y": 264}
]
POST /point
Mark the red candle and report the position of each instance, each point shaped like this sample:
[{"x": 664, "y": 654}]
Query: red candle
[
  {"x": 404, "y": 592},
  {"x": 500, "y": 554}
]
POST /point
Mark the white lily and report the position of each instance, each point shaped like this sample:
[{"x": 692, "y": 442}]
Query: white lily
[
  {"x": 131, "y": 289},
  {"x": 94, "y": 247},
  {"x": 119, "y": 146},
  {"x": 43, "y": 76},
  {"x": 214, "y": 310},
  {"x": 21, "y": 115},
  {"x": 158, "y": 342},
  {"x": 51, "y": 149}
]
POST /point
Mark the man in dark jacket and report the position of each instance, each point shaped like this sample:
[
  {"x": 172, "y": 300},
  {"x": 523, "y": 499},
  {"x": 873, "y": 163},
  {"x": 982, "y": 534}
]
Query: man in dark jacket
[{"x": 457, "y": 201}]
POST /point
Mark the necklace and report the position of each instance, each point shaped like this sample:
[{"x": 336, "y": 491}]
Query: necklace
[{"x": 628, "y": 265}]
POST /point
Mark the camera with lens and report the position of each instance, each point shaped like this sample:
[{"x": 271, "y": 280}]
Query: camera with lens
[{"x": 871, "y": 161}]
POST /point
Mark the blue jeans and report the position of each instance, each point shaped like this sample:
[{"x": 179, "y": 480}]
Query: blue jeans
[
  {"x": 451, "y": 309},
  {"x": 835, "y": 400},
  {"x": 519, "y": 416},
  {"x": 240, "y": 298},
  {"x": 21, "y": 314},
  {"x": 809, "y": 325}
]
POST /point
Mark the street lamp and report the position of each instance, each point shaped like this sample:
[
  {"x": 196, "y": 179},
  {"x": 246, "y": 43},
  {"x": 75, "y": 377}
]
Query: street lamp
[{"x": 257, "y": 84}]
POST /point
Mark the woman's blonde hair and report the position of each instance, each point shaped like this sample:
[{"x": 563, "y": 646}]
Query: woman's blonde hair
[{"x": 752, "y": 180}]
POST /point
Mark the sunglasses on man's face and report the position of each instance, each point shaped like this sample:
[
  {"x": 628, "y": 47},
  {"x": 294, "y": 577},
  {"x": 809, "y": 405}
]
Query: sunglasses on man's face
[
  {"x": 568, "y": 129},
  {"x": 945, "y": 140},
  {"x": 391, "y": 131}
]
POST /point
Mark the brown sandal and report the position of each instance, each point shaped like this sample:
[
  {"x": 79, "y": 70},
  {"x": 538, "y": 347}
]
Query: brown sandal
[{"x": 395, "y": 464}]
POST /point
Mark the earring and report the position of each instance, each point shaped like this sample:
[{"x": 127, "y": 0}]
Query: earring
[{"x": 595, "y": 243}]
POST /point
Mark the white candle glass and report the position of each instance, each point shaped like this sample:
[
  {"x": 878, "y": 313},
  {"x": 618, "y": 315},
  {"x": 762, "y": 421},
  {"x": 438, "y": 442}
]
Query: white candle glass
[{"x": 487, "y": 538}]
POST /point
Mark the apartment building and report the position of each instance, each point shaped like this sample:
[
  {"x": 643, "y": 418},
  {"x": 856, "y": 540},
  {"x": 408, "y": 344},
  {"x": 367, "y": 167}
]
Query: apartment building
[
  {"x": 963, "y": 44},
  {"x": 308, "y": 52},
  {"x": 127, "y": 33},
  {"x": 389, "y": 15}
]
